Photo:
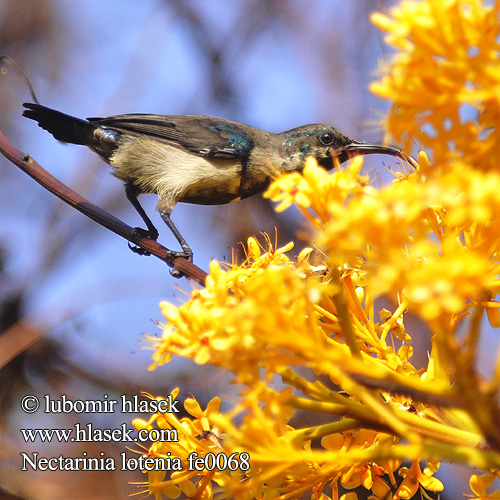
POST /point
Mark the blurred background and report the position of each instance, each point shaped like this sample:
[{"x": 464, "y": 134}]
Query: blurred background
[{"x": 74, "y": 300}]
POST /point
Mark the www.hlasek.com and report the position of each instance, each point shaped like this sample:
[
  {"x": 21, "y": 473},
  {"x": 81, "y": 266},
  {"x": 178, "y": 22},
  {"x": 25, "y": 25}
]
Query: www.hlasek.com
[{"x": 89, "y": 433}]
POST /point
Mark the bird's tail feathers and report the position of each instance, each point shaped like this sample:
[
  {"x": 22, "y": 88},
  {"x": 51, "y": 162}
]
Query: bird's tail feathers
[{"x": 63, "y": 127}]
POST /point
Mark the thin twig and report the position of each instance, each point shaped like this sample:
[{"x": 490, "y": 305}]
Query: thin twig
[
  {"x": 49, "y": 182},
  {"x": 20, "y": 72}
]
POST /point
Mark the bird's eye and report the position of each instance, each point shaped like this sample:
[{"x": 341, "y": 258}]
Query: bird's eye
[{"x": 326, "y": 138}]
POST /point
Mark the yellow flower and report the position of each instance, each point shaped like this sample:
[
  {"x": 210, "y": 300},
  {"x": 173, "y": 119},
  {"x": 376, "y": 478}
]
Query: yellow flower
[
  {"x": 369, "y": 474},
  {"x": 444, "y": 78},
  {"x": 315, "y": 191},
  {"x": 478, "y": 485},
  {"x": 414, "y": 479},
  {"x": 196, "y": 438}
]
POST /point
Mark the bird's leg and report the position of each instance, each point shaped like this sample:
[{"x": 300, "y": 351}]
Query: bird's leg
[
  {"x": 187, "y": 253},
  {"x": 131, "y": 191}
]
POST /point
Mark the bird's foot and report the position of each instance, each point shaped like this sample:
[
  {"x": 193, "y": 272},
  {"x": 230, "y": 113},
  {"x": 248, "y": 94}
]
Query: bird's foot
[
  {"x": 172, "y": 255},
  {"x": 139, "y": 232}
]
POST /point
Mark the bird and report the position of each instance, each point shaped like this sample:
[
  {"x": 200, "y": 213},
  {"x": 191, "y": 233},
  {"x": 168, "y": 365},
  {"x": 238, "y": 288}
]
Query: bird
[{"x": 198, "y": 159}]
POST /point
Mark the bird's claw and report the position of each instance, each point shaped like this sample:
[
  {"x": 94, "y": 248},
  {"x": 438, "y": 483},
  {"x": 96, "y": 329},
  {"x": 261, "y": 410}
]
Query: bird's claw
[
  {"x": 139, "y": 232},
  {"x": 175, "y": 273},
  {"x": 172, "y": 255}
]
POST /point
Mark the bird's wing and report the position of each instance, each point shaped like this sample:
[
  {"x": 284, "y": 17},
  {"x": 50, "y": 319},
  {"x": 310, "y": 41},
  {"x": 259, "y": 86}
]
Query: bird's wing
[{"x": 202, "y": 135}]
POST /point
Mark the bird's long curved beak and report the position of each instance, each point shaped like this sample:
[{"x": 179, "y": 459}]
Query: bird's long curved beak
[{"x": 366, "y": 148}]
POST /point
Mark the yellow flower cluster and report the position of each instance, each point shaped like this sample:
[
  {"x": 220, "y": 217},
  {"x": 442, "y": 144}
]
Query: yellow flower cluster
[
  {"x": 431, "y": 239},
  {"x": 443, "y": 82},
  {"x": 194, "y": 438},
  {"x": 228, "y": 323},
  {"x": 329, "y": 398}
]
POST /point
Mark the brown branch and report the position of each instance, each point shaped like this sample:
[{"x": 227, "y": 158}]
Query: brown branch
[{"x": 49, "y": 182}]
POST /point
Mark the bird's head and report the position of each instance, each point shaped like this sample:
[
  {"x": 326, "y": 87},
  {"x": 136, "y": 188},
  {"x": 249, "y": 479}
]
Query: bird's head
[{"x": 328, "y": 146}]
